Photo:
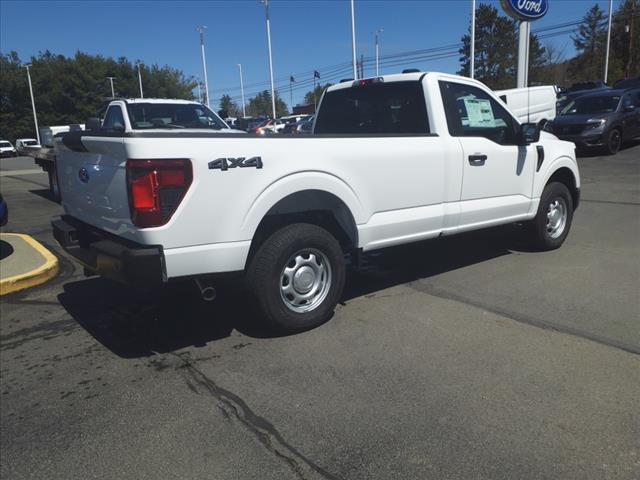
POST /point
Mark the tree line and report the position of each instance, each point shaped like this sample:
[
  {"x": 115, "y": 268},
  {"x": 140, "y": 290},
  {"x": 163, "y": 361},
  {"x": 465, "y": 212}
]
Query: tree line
[{"x": 71, "y": 89}]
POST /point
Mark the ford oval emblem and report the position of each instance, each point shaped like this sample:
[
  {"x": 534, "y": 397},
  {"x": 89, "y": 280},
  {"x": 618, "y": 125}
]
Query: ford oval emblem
[
  {"x": 526, "y": 10},
  {"x": 83, "y": 175}
]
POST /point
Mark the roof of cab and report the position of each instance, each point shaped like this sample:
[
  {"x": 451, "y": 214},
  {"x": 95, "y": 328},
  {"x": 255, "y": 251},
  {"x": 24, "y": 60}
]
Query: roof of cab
[
  {"x": 159, "y": 100},
  {"x": 396, "y": 77}
]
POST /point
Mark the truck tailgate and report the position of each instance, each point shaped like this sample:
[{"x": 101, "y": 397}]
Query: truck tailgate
[{"x": 93, "y": 184}]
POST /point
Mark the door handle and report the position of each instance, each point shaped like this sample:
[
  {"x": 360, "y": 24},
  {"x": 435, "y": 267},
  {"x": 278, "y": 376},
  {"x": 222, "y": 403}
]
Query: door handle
[{"x": 477, "y": 159}]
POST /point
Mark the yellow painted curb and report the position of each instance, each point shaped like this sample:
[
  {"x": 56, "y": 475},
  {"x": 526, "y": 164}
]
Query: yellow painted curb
[{"x": 36, "y": 276}]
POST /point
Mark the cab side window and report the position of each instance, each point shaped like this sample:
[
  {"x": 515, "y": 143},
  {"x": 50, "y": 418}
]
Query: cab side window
[
  {"x": 113, "y": 120},
  {"x": 471, "y": 112}
]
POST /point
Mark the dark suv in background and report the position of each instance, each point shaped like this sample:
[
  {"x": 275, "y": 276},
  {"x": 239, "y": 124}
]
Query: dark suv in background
[{"x": 602, "y": 119}]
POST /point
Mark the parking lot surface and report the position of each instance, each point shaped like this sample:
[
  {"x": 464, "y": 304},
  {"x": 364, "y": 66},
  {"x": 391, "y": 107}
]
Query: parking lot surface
[{"x": 466, "y": 358}]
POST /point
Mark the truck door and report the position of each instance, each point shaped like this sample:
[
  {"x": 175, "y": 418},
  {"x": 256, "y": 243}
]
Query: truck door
[{"x": 497, "y": 173}]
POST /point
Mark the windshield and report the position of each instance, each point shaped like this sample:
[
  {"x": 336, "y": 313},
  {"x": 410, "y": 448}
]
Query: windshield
[
  {"x": 173, "y": 115},
  {"x": 591, "y": 105},
  {"x": 29, "y": 142},
  {"x": 5, "y": 144}
]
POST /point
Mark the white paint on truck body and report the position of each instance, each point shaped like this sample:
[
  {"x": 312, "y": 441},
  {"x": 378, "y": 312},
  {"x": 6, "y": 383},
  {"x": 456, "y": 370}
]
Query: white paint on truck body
[{"x": 397, "y": 189}]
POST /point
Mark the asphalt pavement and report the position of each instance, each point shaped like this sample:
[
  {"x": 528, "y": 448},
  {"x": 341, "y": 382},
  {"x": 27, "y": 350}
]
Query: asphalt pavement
[{"x": 466, "y": 358}]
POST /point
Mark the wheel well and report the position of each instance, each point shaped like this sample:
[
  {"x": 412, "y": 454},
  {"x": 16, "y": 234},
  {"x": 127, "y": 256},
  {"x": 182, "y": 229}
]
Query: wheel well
[
  {"x": 309, "y": 206},
  {"x": 565, "y": 176}
]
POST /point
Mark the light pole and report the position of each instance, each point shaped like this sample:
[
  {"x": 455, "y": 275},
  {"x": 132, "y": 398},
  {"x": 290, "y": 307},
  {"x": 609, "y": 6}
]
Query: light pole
[
  {"x": 377, "y": 33},
  {"x": 140, "y": 81},
  {"x": 273, "y": 90},
  {"x": 244, "y": 113},
  {"x": 353, "y": 41},
  {"x": 201, "y": 29},
  {"x": 111, "y": 79},
  {"x": 33, "y": 103},
  {"x": 472, "y": 68},
  {"x": 606, "y": 57}
]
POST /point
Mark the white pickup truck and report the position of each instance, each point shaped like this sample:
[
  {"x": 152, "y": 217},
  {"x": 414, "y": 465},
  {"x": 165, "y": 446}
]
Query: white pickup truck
[{"x": 158, "y": 193}]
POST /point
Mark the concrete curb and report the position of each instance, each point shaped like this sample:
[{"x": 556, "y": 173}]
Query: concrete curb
[{"x": 37, "y": 276}]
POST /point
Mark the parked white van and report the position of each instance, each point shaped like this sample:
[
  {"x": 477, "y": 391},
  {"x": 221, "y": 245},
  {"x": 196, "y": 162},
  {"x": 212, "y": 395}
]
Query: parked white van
[{"x": 532, "y": 104}]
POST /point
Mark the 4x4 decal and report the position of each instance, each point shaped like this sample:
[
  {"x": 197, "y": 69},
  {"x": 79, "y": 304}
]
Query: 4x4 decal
[{"x": 242, "y": 162}]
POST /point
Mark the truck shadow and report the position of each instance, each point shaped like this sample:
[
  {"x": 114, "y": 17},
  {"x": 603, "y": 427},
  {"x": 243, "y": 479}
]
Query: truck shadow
[{"x": 135, "y": 323}]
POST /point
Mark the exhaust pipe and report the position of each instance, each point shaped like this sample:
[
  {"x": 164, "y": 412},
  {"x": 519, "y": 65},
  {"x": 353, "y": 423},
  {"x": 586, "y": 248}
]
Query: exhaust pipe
[{"x": 207, "y": 292}]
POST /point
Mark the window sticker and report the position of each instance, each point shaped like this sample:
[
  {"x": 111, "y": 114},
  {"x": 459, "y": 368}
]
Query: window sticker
[{"x": 479, "y": 113}]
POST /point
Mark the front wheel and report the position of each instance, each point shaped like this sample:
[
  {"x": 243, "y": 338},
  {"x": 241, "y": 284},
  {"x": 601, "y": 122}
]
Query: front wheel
[
  {"x": 614, "y": 141},
  {"x": 297, "y": 276},
  {"x": 551, "y": 224}
]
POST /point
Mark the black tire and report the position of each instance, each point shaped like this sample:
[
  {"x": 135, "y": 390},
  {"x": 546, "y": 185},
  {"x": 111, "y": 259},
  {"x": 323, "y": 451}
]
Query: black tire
[
  {"x": 613, "y": 141},
  {"x": 266, "y": 277},
  {"x": 543, "y": 235}
]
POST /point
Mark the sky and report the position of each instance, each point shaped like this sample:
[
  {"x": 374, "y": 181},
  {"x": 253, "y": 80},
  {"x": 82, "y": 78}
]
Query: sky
[{"x": 306, "y": 35}]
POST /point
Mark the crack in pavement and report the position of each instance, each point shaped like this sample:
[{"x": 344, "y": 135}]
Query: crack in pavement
[
  {"x": 526, "y": 319},
  {"x": 232, "y": 406}
]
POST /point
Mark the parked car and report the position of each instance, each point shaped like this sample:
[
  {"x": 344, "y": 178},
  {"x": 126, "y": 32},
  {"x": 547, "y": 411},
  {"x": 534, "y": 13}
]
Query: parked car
[
  {"x": 576, "y": 90},
  {"x": 627, "y": 83},
  {"x": 7, "y": 150},
  {"x": 4, "y": 212},
  {"x": 532, "y": 104},
  {"x": 254, "y": 123},
  {"x": 301, "y": 126},
  {"x": 603, "y": 119},
  {"x": 23, "y": 143}
]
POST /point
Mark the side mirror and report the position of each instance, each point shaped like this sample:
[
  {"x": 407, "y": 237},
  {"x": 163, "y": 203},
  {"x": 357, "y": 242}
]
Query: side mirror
[
  {"x": 529, "y": 133},
  {"x": 93, "y": 123}
]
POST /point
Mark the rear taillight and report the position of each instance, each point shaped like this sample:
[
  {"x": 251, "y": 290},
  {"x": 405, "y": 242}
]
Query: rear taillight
[{"x": 156, "y": 188}]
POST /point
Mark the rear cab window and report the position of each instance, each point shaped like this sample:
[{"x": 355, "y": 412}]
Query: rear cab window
[{"x": 377, "y": 108}]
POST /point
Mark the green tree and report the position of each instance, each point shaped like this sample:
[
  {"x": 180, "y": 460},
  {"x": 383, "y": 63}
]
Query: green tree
[
  {"x": 589, "y": 41},
  {"x": 260, "y": 105},
  {"x": 227, "y": 105},
  {"x": 624, "y": 55},
  {"x": 71, "y": 89},
  {"x": 496, "y": 48},
  {"x": 315, "y": 94}
]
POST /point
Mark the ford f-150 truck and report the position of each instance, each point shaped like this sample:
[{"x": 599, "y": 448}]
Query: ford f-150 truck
[{"x": 156, "y": 194}]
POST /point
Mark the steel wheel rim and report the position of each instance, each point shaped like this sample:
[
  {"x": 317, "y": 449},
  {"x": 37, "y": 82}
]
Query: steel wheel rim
[
  {"x": 305, "y": 280},
  {"x": 556, "y": 217},
  {"x": 614, "y": 142}
]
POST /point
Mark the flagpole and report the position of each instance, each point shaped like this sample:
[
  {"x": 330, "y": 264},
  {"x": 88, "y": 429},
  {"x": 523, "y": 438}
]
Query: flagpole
[
  {"x": 314, "y": 92},
  {"x": 291, "y": 92}
]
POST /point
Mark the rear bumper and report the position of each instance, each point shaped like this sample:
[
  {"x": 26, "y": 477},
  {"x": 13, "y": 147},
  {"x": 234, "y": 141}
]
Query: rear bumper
[{"x": 109, "y": 255}]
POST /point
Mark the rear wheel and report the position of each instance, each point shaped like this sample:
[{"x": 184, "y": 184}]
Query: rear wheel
[
  {"x": 297, "y": 277},
  {"x": 551, "y": 224},
  {"x": 614, "y": 141}
]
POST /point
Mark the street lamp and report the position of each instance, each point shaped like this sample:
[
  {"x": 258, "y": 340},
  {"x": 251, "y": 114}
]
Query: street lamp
[
  {"x": 273, "y": 90},
  {"x": 201, "y": 29},
  {"x": 244, "y": 113},
  {"x": 33, "y": 103},
  {"x": 140, "y": 80},
  {"x": 353, "y": 41},
  {"x": 472, "y": 56},
  {"x": 111, "y": 79},
  {"x": 377, "y": 33}
]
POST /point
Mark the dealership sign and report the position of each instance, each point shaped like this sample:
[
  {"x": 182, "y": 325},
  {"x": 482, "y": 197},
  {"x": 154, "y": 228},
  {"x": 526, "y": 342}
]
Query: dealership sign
[{"x": 526, "y": 10}]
